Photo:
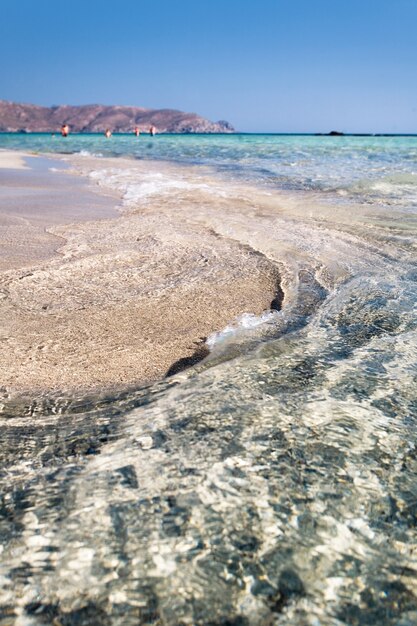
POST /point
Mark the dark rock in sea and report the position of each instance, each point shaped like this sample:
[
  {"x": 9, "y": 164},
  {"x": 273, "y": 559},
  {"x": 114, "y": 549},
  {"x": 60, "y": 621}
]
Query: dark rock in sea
[
  {"x": 92, "y": 118},
  {"x": 335, "y": 133}
]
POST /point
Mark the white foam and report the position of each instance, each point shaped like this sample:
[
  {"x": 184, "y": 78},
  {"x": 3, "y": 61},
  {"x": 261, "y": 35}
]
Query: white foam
[
  {"x": 87, "y": 153},
  {"x": 245, "y": 322},
  {"x": 149, "y": 185}
]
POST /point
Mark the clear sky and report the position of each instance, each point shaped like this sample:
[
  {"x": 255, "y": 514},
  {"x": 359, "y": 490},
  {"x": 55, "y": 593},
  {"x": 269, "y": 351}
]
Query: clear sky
[{"x": 263, "y": 65}]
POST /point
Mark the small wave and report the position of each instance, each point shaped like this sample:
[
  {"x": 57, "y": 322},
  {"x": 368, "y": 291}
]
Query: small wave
[
  {"x": 245, "y": 322},
  {"x": 134, "y": 191},
  {"x": 88, "y": 153}
]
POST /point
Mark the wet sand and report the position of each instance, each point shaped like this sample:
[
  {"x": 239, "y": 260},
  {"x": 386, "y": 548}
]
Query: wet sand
[
  {"x": 12, "y": 160},
  {"x": 92, "y": 297},
  {"x": 33, "y": 200}
]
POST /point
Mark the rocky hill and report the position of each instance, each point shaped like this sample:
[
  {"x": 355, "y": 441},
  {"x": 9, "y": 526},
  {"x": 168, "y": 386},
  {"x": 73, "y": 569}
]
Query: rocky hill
[{"x": 93, "y": 118}]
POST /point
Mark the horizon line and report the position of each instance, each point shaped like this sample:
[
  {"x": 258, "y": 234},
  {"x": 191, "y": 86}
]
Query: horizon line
[{"x": 333, "y": 134}]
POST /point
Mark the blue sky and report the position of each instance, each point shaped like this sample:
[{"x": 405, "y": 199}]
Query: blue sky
[{"x": 263, "y": 65}]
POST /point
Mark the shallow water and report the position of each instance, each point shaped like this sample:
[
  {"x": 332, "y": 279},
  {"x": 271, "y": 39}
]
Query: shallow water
[
  {"x": 376, "y": 166},
  {"x": 274, "y": 483}
]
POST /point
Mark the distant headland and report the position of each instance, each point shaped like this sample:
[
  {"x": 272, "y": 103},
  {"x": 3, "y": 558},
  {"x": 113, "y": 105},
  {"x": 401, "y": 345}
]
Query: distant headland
[{"x": 92, "y": 118}]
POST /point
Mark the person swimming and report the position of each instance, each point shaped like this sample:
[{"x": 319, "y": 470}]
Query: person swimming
[
  {"x": 65, "y": 130},
  {"x": 152, "y": 130},
  {"x": 107, "y": 132},
  {"x": 136, "y": 131}
]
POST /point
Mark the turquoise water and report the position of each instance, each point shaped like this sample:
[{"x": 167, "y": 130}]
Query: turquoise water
[
  {"x": 348, "y": 164},
  {"x": 274, "y": 483}
]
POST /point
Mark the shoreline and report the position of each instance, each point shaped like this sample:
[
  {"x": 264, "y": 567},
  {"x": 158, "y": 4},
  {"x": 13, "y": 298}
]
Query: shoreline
[{"x": 119, "y": 298}]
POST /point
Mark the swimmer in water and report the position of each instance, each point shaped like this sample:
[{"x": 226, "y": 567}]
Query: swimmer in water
[
  {"x": 108, "y": 133},
  {"x": 136, "y": 131},
  {"x": 152, "y": 130},
  {"x": 65, "y": 130}
]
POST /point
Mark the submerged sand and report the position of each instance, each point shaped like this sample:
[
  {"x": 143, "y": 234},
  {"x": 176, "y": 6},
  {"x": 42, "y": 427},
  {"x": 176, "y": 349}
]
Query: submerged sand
[{"x": 94, "y": 298}]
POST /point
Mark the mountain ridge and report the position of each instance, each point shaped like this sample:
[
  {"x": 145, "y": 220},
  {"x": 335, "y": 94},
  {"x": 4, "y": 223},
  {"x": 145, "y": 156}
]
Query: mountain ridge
[{"x": 90, "y": 118}]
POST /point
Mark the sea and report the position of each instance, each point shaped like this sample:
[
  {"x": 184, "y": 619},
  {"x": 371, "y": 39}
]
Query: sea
[{"x": 275, "y": 482}]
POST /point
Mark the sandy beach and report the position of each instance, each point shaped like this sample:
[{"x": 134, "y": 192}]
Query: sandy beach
[{"x": 94, "y": 297}]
